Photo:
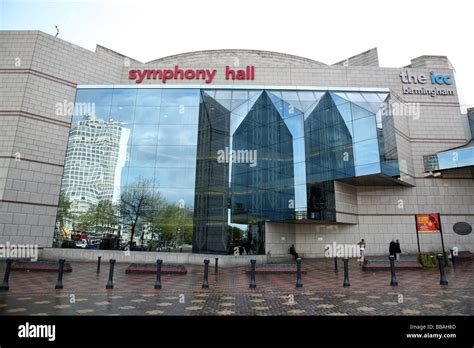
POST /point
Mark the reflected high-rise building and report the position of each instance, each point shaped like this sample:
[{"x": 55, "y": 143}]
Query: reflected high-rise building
[{"x": 95, "y": 155}]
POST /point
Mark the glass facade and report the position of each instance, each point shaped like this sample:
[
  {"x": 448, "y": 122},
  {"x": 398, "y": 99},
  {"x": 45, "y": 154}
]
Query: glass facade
[{"x": 208, "y": 167}]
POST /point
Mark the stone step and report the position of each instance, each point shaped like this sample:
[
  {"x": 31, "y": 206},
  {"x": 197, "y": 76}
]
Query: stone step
[
  {"x": 166, "y": 268},
  {"x": 39, "y": 266}
]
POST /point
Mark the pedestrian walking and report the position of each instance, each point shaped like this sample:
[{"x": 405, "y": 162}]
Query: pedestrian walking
[
  {"x": 398, "y": 250},
  {"x": 362, "y": 247}
]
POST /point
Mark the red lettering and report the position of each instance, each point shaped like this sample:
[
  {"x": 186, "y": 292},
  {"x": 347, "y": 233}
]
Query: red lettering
[
  {"x": 229, "y": 72},
  {"x": 141, "y": 76},
  {"x": 240, "y": 75},
  {"x": 178, "y": 71},
  {"x": 167, "y": 75},
  {"x": 210, "y": 74},
  {"x": 201, "y": 74},
  {"x": 189, "y": 74}
]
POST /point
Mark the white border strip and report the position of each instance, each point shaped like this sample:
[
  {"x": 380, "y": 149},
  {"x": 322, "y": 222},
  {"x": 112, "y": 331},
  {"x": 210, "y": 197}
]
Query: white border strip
[{"x": 259, "y": 87}]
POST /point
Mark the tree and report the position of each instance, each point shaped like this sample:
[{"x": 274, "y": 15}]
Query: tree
[
  {"x": 174, "y": 222},
  {"x": 100, "y": 217},
  {"x": 64, "y": 213},
  {"x": 138, "y": 203}
]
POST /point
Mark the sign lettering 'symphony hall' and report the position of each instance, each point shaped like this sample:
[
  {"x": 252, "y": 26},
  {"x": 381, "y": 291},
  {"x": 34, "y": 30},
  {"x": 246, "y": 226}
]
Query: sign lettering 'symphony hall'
[{"x": 206, "y": 75}]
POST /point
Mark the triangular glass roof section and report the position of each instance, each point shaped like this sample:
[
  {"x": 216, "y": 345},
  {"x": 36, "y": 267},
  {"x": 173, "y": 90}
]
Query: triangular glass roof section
[{"x": 240, "y": 112}]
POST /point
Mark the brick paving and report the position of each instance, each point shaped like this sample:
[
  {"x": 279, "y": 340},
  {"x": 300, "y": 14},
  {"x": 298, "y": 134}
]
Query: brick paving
[{"x": 84, "y": 293}]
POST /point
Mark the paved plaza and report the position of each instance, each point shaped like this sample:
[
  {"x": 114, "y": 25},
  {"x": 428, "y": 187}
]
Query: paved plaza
[{"x": 84, "y": 293}]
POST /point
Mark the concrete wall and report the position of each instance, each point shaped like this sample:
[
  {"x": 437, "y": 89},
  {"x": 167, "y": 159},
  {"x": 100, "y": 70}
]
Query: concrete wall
[{"x": 149, "y": 257}]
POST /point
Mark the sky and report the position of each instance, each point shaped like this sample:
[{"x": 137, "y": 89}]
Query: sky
[{"x": 327, "y": 31}]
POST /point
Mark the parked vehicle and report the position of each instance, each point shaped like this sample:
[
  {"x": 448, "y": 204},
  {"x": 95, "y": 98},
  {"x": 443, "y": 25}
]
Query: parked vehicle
[
  {"x": 94, "y": 244},
  {"x": 81, "y": 244}
]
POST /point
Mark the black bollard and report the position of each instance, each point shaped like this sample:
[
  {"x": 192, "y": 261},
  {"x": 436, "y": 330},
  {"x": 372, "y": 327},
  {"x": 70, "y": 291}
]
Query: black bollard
[
  {"x": 110, "y": 284},
  {"x": 299, "y": 282},
  {"x": 5, "y": 285},
  {"x": 158, "y": 274},
  {"x": 217, "y": 261},
  {"x": 205, "y": 283},
  {"x": 452, "y": 257},
  {"x": 442, "y": 275},
  {"x": 59, "y": 282},
  {"x": 253, "y": 283},
  {"x": 98, "y": 264},
  {"x": 181, "y": 249},
  {"x": 393, "y": 280},
  {"x": 335, "y": 264},
  {"x": 346, "y": 273},
  {"x": 169, "y": 249}
]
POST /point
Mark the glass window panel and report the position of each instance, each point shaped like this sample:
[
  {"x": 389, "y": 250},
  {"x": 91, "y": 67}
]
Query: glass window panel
[
  {"x": 300, "y": 173},
  {"x": 99, "y": 97},
  {"x": 298, "y": 150},
  {"x": 295, "y": 125},
  {"x": 142, "y": 156},
  {"x": 358, "y": 112},
  {"x": 277, "y": 103},
  {"x": 149, "y": 97},
  {"x": 147, "y": 114},
  {"x": 176, "y": 156},
  {"x": 235, "y": 121},
  {"x": 368, "y": 169},
  {"x": 465, "y": 157},
  {"x": 382, "y": 96},
  {"x": 123, "y": 96},
  {"x": 122, "y": 113},
  {"x": 355, "y": 97},
  {"x": 300, "y": 197},
  {"x": 123, "y": 180},
  {"x": 179, "y": 115},
  {"x": 306, "y": 96},
  {"x": 174, "y": 195},
  {"x": 290, "y": 96},
  {"x": 240, "y": 95},
  {"x": 145, "y": 134},
  {"x": 345, "y": 111},
  {"x": 175, "y": 177},
  {"x": 339, "y": 98},
  {"x": 176, "y": 97},
  {"x": 291, "y": 110},
  {"x": 364, "y": 129},
  {"x": 371, "y": 97},
  {"x": 177, "y": 135},
  {"x": 224, "y": 94},
  {"x": 366, "y": 152},
  {"x": 137, "y": 174}
]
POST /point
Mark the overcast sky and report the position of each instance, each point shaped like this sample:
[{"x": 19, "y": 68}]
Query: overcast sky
[{"x": 326, "y": 31}]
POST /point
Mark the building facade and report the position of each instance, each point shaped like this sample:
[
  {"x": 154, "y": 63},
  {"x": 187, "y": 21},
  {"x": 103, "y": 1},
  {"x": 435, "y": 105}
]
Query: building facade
[{"x": 234, "y": 147}]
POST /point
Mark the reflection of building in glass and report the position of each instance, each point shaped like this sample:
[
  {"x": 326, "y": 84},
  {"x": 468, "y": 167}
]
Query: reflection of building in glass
[
  {"x": 94, "y": 154},
  {"x": 303, "y": 141}
]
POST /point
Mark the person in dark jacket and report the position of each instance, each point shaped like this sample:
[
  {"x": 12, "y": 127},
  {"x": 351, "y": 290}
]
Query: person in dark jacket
[
  {"x": 392, "y": 248},
  {"x": 293, "y": 251},
  {"x": 398, "y": 251}
]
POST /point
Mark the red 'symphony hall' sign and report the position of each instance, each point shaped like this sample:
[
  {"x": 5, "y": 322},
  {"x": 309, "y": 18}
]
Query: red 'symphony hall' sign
[{"x": 207, "y": 75}]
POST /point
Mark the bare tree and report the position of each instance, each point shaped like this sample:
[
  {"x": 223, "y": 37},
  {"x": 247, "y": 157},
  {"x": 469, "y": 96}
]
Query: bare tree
[{"x": 138, "y": 202}]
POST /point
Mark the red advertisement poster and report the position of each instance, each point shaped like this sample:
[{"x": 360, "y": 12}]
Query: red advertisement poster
[{"x": 427, "y": 223}]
